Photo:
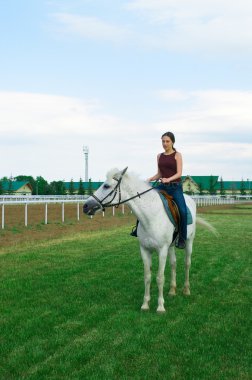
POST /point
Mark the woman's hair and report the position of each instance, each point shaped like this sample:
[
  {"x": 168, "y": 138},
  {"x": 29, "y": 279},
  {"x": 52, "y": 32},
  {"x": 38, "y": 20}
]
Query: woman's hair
[{"x": 172, "y": 137}]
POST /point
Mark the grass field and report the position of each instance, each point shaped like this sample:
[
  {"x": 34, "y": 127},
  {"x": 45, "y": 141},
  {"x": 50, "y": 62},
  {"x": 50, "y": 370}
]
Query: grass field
[{"x": 70, "y": 304}]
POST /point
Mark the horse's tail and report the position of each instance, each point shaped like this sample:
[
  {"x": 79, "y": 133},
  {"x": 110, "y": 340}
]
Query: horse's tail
[{"x": 207, "y": 225}]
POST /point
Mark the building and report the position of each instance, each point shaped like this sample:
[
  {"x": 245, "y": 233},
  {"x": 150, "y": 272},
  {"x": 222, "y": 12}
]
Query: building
[
  {"x": 234, "y": 187},
  {"x": 16, "y": 188},
  {"x": 194, "y": 185},
  {"x": 200, "y": 184}
]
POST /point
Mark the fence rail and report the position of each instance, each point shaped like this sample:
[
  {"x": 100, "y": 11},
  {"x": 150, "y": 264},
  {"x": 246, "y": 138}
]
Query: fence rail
[
  {"x": 46, "y": 201},
  {"x": 6, "y": 200},
  {"x": 212, "y": 201},
  {"x": 19, "y": 199}
]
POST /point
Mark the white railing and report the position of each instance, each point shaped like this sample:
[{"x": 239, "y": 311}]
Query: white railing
[
  {"x": 46, "y": 200},
  {"x": 212, "y": 200},
  {"x": 201, "y": 201},
  {"x": 19, "y": 199}
]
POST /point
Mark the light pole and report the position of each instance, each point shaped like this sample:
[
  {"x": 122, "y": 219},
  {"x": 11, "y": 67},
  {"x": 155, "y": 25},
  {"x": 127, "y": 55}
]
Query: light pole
[{"x": 86, "y": 151}]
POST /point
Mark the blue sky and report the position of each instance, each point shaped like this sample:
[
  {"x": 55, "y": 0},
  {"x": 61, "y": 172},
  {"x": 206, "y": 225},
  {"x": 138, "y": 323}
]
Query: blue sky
[{"x": 116, "y": 75}]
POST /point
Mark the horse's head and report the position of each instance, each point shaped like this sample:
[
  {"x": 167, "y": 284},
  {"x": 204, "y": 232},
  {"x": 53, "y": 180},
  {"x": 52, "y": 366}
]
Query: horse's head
[{"x": 108, "y": 193}]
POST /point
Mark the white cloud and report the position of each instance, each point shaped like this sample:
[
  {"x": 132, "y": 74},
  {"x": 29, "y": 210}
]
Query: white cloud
[
  {"x": 229, "y": 160},
  {"x": 90, "y": 27},
  {"x": 212, "y": 129},
  {"x": 213, "y": 111},
  {"x": 43, "y": 114},
  {"x": 210, "y": 26},
  {"x": 44, "y": 134},
  {"x": 174, "y": 95}
]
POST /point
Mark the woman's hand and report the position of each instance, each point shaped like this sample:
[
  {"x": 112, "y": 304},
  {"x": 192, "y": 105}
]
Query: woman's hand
[{"x": 165, "y": 180}]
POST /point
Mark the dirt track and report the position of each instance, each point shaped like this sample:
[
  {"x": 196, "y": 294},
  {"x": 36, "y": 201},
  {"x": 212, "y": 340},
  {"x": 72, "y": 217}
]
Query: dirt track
[{"x": 15, "y": 232}]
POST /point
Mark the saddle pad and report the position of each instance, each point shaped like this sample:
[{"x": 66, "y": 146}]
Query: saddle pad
[{"x": 168, "y": 211}]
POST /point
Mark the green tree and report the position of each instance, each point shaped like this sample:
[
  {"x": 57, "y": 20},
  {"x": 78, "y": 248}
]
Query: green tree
[
  {"x": 222, "y": 189},
  {"x": 201, "y": 189},
  {"x": 1, "y": 188},
  {"x": 49, "y": 189},
  {"x": 81, "y": 188},
  {"x": 90, "y": 187},
  {"x": 71, "y": 187},
  {"x": 41, "y": 185},
  {"x": 57, "y": 188},
  {"x": 61, "y": 188},
  {"x": 249, "y": 187},
  {"x": 242, "y": 187}
]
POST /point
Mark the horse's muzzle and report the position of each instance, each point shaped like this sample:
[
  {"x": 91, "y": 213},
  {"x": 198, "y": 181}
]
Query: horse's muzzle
[{"x": 91, "y": 206}]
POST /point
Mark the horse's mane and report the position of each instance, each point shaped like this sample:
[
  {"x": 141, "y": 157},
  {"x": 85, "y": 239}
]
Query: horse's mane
[{"x": 133, "y": 177}]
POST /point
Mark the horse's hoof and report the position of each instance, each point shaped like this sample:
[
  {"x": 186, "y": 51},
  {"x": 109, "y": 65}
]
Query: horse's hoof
[
  {"x": 186, "y": 292},
  {"x": 145, "y": 307},
  {"x": 161, "y": 310},
  {"x": 172, "y": 292}
]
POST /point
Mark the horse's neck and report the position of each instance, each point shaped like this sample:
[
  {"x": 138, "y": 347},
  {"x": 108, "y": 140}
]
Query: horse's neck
[{"x": 144, "y": 206}]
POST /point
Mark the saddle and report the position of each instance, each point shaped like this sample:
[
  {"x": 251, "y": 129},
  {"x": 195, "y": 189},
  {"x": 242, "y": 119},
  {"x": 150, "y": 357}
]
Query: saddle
[{"x": 172, "y": 207}]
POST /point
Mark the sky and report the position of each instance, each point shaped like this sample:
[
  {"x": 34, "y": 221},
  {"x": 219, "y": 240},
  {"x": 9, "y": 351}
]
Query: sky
[{"x": 114, "y": 76}]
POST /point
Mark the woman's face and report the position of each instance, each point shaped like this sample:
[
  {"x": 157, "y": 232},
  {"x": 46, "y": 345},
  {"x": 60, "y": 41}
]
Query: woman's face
[{"x": 167, "y": 143}]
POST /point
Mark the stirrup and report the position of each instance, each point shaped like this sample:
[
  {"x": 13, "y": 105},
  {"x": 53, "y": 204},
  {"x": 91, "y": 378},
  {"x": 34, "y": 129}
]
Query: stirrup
[{"x": 134, "y": 231}]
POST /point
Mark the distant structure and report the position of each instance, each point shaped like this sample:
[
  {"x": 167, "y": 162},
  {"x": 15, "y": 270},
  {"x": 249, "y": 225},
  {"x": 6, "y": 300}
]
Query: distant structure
[{"x": 86, "y": 151}]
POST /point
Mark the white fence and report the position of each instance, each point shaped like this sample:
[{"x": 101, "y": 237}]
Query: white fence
[
  {"x": 79, "y": 200},
  {"x": 19, "y": 199},
  {"x": 202, "y": 201},
  {"x": 5, "y": 200}
]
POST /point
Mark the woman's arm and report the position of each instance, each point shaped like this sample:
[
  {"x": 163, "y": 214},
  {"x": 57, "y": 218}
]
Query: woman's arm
[
  {"x": 179, "y": 160},
  {"x": 156, "y": 176}
]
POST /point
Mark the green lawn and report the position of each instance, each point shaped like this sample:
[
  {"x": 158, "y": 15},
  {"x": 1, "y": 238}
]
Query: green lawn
[{"x": 70, "y": 309}]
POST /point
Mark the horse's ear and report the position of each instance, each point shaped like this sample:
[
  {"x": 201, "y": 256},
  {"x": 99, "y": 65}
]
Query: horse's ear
[
  {"x": 120, "y": 174},
  {"x": 124, "y": 171}
]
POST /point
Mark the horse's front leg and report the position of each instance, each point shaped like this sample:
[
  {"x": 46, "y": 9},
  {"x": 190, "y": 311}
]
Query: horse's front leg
[
  {"x": 188, "y": 253},
  {"x": 160, "y": 279},
  {"x": 147, "y": 259},
  {"x": 172, "y": 257}
]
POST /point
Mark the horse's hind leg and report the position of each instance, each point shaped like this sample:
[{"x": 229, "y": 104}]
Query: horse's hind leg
[
  {"x": 147, "y": 259},
  {"x": 188, "y": 253},
  {"x": 172, "y": 257},
  {"x": 160, "y": 279}
]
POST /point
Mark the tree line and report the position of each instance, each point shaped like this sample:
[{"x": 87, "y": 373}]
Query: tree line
[
  {"x": 212, "y": 189},
  {"x": 40, "y": 186}
]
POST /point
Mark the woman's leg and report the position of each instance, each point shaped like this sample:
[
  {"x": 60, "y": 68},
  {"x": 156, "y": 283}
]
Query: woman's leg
[{"x": 180, "y": 201}]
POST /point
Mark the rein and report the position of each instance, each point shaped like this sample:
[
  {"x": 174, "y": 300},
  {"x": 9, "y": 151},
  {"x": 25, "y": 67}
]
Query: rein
[{"x": 116, "y": 190}]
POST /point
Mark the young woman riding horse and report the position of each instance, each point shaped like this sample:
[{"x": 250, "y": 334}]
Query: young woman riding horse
[{"x": 169, "y": 173}]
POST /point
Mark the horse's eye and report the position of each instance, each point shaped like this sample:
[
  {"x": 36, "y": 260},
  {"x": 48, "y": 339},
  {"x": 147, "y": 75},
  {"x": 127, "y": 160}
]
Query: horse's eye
[{"x": 106, "y": 186}]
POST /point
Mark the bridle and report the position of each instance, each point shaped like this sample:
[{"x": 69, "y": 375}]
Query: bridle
[{"x": 117, "y": 189}]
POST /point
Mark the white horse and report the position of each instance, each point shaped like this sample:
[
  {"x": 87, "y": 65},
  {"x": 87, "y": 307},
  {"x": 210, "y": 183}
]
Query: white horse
[{"x": 155, "y": 230}]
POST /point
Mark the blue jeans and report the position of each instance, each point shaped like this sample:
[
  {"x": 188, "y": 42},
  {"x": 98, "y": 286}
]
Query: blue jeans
[{"x": 175, "y": 189}]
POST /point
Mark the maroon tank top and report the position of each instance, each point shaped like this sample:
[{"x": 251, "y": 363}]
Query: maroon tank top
[{"x": 167, "y": 165}]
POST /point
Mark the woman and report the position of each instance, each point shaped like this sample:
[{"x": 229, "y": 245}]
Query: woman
[{"x": 169, "y": 173}]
